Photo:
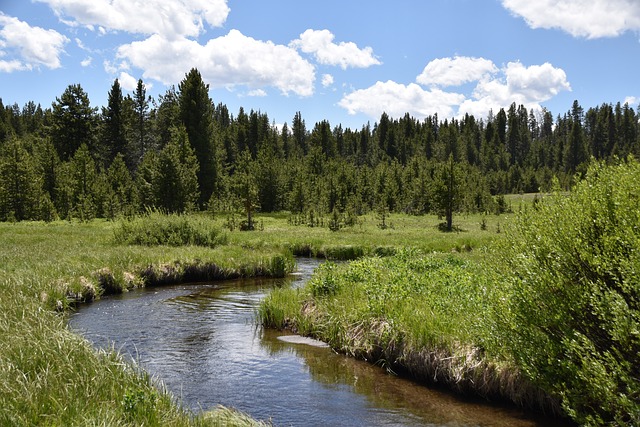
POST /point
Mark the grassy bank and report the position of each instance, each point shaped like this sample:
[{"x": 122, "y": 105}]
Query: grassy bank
[
  {"x": 430, "y": 316},
  {"x": 48, "y": 375},
  {"x": 549, "y": 320},
  {"x": 51, "y": 376}
]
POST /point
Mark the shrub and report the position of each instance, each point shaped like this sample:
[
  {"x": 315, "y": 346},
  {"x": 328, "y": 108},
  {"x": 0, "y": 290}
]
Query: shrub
[
  {"x": 573, "y": 264},
  {"x": 156, "y": 228}
]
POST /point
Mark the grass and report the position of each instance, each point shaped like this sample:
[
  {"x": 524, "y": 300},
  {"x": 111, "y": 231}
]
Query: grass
[
  {"x": 428, "y": 315},
  {"x": 50, "y": 376}
]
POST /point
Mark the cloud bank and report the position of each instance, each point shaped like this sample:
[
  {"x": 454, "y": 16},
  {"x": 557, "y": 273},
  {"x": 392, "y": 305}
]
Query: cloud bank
[
  {"x": 495, "y": 88},
  {"x": 171, "y": 18},
  {"x": 580, "y": 18},
  {"x": 320, "y": 44}
]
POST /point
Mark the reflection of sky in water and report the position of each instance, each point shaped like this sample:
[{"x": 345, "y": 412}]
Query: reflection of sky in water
[{"x": 202, "y": 341}]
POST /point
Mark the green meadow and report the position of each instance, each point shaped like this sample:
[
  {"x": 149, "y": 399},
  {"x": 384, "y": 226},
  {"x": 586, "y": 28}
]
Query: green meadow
[{"x": 538, "y": 306}]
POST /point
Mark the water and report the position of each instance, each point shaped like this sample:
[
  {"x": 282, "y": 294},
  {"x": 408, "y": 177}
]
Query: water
[{"x": 201, "y": 340}]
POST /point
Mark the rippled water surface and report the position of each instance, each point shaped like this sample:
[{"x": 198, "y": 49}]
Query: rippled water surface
[{"x": 202, "y": 342}]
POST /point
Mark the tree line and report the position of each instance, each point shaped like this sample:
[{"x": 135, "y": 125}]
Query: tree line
[{"x": 181, "y": 152}]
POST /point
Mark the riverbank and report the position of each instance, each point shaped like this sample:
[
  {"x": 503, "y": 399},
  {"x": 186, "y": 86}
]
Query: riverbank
[
  {"x": 51, "y": 376},
  {"x": 549, "y": 320},
  {"x": 428, "y": 316}
]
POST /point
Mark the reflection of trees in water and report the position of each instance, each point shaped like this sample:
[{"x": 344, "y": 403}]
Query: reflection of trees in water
[{"x": 393, "y": 393}]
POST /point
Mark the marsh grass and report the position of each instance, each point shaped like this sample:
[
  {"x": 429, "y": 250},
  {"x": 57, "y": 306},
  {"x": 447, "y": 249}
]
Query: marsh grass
[
  {"x": 429, "y": 315},
  {"x": 155, "y": 228},
  {"x": 51, "y": 376}
]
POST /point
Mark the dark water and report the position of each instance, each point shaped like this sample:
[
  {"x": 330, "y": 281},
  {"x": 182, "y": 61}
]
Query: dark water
[{"x": 202, "y": 342}]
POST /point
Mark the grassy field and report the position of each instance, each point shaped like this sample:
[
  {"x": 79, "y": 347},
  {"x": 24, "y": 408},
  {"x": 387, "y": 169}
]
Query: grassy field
[
  {"x": 50, "y": 376},
  {"x": 546, "y": 317}
]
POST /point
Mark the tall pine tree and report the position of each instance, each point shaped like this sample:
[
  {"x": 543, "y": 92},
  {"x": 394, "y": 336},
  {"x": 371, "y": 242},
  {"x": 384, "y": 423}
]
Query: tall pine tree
[{"x": 196, "y": 113}]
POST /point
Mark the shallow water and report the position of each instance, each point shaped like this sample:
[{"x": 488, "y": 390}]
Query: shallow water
[{"x": 202, "y": 342}]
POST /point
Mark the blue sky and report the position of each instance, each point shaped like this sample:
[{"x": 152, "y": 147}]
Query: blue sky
[{"x": 345, "y": 61}]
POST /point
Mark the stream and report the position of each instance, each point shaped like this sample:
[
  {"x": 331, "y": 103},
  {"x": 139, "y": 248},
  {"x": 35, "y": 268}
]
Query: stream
[{"x": 202, "y": 342}]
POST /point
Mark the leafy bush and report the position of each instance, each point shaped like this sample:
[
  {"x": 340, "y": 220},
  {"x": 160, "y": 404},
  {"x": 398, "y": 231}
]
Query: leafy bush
[
  {"x": 156, "y": 228},
  {"x": 573, "y": 263}
]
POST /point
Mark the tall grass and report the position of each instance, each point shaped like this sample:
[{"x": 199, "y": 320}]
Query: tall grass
[
  {"x": 51, "y": 376},
  {"x": 429, "y": 315},
  {"x": 156, "y": 228}
]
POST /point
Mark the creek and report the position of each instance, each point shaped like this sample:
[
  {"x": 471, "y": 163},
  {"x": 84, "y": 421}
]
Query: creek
[{"x": 202, "y": 342}]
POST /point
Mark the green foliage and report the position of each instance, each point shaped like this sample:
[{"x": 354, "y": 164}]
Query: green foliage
[
  {"x": 156, "y": 228},
  {"x": 573, "y": 263},
  {"x": 20, "y": 183},
  {"x": 73, "y": 121},
  {"x": 174, "y": 182}
]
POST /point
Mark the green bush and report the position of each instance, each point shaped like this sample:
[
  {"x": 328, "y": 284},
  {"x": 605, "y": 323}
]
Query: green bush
[
  {"x": 573, "y": 264},
  {"x": 156, "y": 228}
]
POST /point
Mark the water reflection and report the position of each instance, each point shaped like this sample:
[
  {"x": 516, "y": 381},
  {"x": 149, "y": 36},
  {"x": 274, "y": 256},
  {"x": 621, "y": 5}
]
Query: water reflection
[{"x": 201, "y": 340}]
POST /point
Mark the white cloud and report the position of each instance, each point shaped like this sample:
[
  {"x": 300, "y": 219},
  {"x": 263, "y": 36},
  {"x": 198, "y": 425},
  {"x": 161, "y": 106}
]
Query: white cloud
[
  {"x": 28, "y": 47},
  {"x": 345, "y": 54},
  {"x": 528, "y": 86},
  {"x": 227, "y": 61},
  {"x": 327, "y": 80},
  {"x": 86, "y": 62},
  {"x": 127, "y": 81},
  {"x": 494, "y": 89},
  {"x": 397, "y": 99},
  {"x": 580, "y": 18},
  {"x": 167, "y": 17},
  {"x": 633, "y": 101},
  {"x": 257, "y": 93},
  {"x": 455, "y": 71}
]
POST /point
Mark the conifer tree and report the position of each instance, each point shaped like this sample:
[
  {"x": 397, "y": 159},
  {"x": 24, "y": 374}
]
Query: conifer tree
[
  {"x": 20, "y": 184},
  {"x": 196, "y": 113},
  {"x": 175, "y": 180},
  {"x": 73, "y": 122},
  {"x": 113, "y": 121}
]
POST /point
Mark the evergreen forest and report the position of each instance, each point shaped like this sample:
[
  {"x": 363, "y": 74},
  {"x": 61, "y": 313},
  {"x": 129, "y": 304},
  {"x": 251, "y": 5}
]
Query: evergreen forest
[{"x": 182, "y": 152}]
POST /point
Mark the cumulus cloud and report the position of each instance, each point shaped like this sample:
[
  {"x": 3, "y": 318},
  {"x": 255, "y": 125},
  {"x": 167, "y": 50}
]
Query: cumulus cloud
[
  {"x": 632, "y": 101},
  {"x": 580, "y": 18},
  {"x": 327, "y": 80},
  {"x": 320, "y": 44},
  {"x": 127, "y": 81},
  {"x": 86, "y": 62},
  {"x": 170, "y": 18},
  {"x": 455, "y": 71},
  {"x": 528, "y": 86},
  {"x": 495, "y": 88},
  {"x": 28, "y": 47},
  {"x": 227, "y": 61},
  {"x": 396, "y": 99}
]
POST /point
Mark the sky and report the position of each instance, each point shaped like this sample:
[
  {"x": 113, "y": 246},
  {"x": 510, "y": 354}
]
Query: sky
[{"x": 345, "y": 61}]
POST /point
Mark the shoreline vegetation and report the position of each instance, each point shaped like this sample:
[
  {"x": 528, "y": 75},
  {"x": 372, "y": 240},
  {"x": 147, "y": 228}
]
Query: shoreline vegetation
[
  {"x": 539, "y": 308},
  {"x": 548, "y": 319},
  {"x": 50, "y": 375}
]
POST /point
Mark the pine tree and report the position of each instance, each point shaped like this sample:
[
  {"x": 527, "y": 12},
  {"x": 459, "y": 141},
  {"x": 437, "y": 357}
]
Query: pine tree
[
  {"x": 196, "y": 113},
  {"x": 73, "y": 122},
  {"x": 113, "y": 133},
  {"x": 20, "y": 184},
  {"x": 84, "y": 175},
  {"x": 141, "y": 124},
  {"x": 175, "y": 180},
  {"x": 446, "y": 188},
  {"x": 246, "y": 188}
]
